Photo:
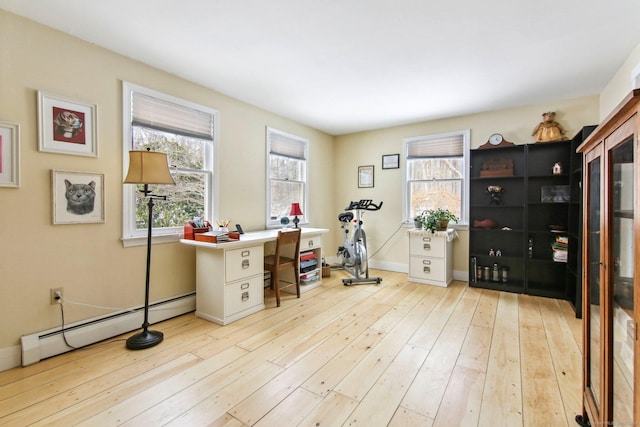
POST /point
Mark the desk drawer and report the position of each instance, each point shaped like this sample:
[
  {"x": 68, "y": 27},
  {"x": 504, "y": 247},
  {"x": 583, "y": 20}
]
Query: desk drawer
[
  {"x": 426, "y": 245},
  {"x": 244, "y": 262},
  {"x": 427, "y": 268},
  {"x": 310, "y": 242},
  {"x": 243, "y": 294}
]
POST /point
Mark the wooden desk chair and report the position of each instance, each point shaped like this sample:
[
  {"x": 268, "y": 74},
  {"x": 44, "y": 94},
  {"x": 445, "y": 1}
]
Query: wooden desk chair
[{"x": 285, "y": 257}]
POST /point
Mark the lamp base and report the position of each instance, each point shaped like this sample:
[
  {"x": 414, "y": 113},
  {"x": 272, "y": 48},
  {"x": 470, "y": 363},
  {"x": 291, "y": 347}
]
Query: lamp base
[{"x": 144, "y": 339}]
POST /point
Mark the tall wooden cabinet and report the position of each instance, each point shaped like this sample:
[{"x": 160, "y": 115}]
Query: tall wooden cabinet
[
  {"x": 574, "y": 265},
  {"x": 611, "y": 179}
]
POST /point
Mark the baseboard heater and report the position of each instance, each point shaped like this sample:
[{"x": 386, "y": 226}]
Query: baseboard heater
[{"x": 41, "y": 345}]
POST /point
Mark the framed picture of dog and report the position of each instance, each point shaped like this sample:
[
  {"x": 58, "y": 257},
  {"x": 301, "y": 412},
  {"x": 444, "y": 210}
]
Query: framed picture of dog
[{"x": 66, "y": 126}]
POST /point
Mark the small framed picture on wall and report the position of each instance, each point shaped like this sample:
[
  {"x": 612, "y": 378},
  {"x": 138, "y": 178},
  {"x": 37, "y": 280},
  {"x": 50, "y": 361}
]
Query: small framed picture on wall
[
  {"x": 77, "y": 197},
  {"x": 66, "y": 126},
  {"x": 9, "y": 154},
  {"x": 391, "y": 161},
  {"x": 365, "y": 176}
]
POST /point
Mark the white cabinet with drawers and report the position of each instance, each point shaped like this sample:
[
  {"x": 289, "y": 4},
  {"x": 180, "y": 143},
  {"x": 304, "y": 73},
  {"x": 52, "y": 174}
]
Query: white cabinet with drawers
[
  {"x": 430, "y": 257},
  {"x": 229, "y": 283}
]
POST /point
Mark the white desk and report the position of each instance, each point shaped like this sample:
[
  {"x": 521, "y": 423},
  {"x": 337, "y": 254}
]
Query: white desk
[{"x": 230, "y": 275}]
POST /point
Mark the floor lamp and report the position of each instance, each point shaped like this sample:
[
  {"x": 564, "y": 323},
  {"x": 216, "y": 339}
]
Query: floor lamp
[{"x": 147, "y": 167}]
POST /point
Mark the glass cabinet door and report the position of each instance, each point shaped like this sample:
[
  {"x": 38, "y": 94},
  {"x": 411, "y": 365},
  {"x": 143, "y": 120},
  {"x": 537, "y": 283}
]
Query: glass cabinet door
[
  {"x": 621, "y": 278},
  {"x": 593, "y": 277}
]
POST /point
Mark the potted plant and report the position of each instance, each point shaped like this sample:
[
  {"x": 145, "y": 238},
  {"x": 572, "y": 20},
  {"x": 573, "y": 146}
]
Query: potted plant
[
  {"x": 418, "y": 221},
  {"x": 438, "y": 219}
]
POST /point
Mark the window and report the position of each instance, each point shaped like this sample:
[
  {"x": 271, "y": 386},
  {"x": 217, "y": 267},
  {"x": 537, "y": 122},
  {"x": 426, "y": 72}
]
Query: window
[
  {"x": 286, "y": 175},
  {"x": 187, "y": 133},
  {"x": 436, "y": 174}
]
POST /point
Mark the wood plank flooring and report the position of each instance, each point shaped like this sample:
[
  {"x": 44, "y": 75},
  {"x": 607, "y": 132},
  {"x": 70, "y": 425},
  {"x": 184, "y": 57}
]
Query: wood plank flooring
[{"x": 394, "y": 354}]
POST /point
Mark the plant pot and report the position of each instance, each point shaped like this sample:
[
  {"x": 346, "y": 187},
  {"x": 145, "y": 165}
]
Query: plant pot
[
  {"x": 444, "y": 223},
  {"x": 417, "y": 225}
]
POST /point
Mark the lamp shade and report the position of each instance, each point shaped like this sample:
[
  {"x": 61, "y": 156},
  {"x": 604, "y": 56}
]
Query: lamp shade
[
  {"x": 295, "y": 209},
  {"x": 148, "y": 167}
]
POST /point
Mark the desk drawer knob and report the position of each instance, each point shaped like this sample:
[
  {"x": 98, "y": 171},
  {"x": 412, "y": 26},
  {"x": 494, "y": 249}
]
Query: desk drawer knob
[
  {"x": 245, "y": 296},
  {"x": 426, "y": 261},
  {"x": 310, "y": 243},
  {"x": 426, "y": 269},
  {"x": 244, "y": 286},
  {"x": 245, "y": 263},
  {"x": 245, "y": 254},
  {"x": 426, "y": 239},
  {"x": 426, "y": 246}
]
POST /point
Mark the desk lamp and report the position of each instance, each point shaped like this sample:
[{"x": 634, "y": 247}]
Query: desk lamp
[
  {"x": 147, "y": 167},
  {"x": 295, "y": 210}
]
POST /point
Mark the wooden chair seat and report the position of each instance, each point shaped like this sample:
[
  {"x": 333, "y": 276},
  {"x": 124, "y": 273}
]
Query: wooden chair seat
[{"x": 286, "y": 257}]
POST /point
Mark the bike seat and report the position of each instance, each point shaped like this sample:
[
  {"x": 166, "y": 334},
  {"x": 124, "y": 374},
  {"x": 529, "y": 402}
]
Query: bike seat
[{"x": 345, "y": 217}]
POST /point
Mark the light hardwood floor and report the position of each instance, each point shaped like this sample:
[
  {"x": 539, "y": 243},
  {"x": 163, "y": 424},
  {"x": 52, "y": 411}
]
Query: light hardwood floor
[{"x": 396, "y": 354}]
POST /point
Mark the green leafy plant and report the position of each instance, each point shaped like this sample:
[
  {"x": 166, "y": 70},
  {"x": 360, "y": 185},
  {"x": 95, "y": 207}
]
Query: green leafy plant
[
  {"x": 419, "y": 219},
  {"x": 437, "y": 219}
]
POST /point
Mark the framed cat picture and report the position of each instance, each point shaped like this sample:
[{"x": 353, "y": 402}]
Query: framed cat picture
[{"x": 77, "y": 197}]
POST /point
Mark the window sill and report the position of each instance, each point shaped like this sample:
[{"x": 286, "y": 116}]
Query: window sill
[
  {"x": 131, "y": 241},
  {"x": 453, "y": 226}
]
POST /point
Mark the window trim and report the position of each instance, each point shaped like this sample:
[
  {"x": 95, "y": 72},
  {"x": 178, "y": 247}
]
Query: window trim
[
  {"x": 464, "y": 202},
  {"x": 129, "y": 236},
  {"x": 305, "y": 189}
]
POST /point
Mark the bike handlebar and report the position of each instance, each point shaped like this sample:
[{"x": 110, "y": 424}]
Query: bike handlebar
[{"x": 363, "y": 204}]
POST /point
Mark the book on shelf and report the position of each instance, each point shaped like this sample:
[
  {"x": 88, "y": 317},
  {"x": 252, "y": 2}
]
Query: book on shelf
[{"x": 560, "y": 248}]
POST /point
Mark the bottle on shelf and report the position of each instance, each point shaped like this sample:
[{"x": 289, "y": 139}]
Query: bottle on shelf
[
  {"x": 495, "y": 273},
  {"x": 505, "y": 274}
]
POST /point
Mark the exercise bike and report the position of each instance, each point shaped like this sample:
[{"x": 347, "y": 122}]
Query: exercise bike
[{"x": 353, "y": 252}]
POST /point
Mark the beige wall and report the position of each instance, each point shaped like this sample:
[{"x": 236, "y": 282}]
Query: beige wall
[
  {"x": 620, "y": 85},
  {"x": 89, "y": 260},
  {"x": 366, "y": 148}
]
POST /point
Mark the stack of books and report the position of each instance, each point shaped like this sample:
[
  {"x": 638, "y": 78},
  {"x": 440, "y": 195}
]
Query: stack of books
[
  {"x": 559, "y": 247},
  {"x": 308, "y": 267},
  {"x": 308, "y": 261}
]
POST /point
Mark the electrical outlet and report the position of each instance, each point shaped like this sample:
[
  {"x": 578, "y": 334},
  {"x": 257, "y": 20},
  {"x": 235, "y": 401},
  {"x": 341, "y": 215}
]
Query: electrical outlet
[{"x": 55, "y": 294}]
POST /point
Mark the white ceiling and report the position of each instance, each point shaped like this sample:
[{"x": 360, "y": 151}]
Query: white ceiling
[{"x": 343, "y": 66}]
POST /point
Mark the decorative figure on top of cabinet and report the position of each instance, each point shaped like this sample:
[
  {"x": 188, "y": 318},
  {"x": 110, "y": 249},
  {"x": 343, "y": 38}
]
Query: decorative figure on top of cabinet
[{"x": 548, "y": 129}]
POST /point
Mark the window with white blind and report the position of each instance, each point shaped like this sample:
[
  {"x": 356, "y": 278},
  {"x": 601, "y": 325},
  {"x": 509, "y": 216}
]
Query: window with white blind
[
  {"x": 436, "y": 174},
  {"x": 187, "y": 133},
  {"x": 286, "y": 175}
]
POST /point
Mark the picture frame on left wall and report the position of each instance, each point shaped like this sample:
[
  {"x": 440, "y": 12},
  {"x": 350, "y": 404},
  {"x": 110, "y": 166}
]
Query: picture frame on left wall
[
  {"x": 67, "y": 126},
  {"x": 9, "y": 154},
  {"x": 77, "y": 197}
]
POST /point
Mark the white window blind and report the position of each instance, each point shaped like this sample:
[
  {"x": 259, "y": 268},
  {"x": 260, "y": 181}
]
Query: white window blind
[
  {"x": 170, "y": 117},
  {"x": 282, "y": 145},
  {"x": 449, "y": 146}
]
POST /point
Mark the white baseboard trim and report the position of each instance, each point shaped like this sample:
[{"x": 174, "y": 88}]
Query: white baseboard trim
[
  {"x": 42, "y": 345},
  {"x": 461, "y": 275},
  {"x": 9, "y": 357},
  {"x": 398, "y": 267}
]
